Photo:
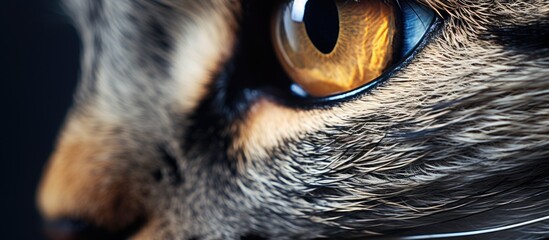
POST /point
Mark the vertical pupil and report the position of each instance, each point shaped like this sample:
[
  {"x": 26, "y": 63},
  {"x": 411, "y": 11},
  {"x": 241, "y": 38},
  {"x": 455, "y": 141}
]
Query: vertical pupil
[{"x": 322, "y": 24}]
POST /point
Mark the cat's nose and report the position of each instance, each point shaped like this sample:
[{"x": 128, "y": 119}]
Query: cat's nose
[{"x": 86, "y": 189}]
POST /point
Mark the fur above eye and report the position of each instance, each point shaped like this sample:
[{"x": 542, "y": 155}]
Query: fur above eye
[{"x": 329, "y": 47}]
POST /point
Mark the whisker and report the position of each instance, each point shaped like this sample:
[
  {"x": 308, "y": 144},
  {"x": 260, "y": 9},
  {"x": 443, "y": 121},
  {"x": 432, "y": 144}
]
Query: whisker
[{"x": 475, "y": 232}]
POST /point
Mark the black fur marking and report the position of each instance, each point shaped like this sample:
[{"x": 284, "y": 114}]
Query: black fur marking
[
  {"x": 156, "y": 34},
  {"x": 529, "y": 39},
  {"x": 95, "y": 12},
  {"x": 174, "y": 174},
  {"x": 157, "y": 175},
  {"x": 208, "y": 138},
  {"x": 161, "y": 4},
  {"x": 160, "y": 35},
  {"x": 252, "y": 237},
  {"x": 236, "y": 86}
]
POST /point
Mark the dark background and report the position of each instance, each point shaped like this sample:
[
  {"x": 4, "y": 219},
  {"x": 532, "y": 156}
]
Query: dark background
[{"x": 39, "y": 70}]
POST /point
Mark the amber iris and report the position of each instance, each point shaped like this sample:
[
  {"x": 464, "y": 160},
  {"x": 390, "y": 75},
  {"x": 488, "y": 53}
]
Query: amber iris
[{"x": 350, "y": 44}]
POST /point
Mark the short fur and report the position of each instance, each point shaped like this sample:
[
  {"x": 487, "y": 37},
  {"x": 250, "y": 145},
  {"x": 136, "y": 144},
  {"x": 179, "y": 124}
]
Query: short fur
[{"x": 458, "y": 140}]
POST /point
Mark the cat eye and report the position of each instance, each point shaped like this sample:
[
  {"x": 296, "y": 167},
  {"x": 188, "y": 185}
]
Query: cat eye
[{"x": 330, "y": 47}]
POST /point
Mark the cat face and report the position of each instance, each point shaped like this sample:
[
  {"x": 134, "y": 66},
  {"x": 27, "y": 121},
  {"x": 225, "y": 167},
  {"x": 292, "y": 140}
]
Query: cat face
[{"x": 165, "y": 141}]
